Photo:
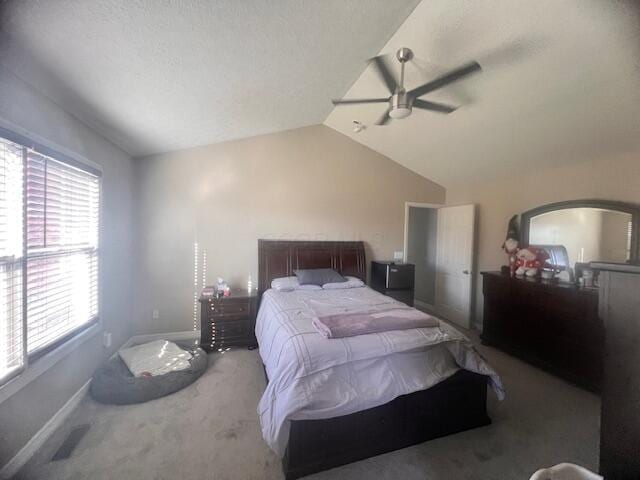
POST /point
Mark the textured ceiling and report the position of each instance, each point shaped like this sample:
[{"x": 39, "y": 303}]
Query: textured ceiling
[
  {"x": 561, "y": 83},
  {"x": 154, "y": 76}
]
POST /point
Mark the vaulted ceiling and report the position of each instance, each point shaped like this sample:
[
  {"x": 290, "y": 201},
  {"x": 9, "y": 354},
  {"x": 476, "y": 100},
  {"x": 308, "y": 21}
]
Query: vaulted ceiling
[
  {"x": 154, "y": 76},
  {"x": 560, "y": 80},
  {"x": 560, "y": 83}
]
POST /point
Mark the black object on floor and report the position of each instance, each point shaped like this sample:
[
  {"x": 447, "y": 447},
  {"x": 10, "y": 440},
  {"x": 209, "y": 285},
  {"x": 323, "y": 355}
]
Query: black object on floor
[{"x": 71, "y": 442}]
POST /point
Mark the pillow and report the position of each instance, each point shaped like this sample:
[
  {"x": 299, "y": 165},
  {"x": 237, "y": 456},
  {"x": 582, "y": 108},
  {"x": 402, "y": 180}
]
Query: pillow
[
  {"x": 318, "y": 276},
  {"x": 352, "y": 282},
  {"x": 289, "y": 284}
]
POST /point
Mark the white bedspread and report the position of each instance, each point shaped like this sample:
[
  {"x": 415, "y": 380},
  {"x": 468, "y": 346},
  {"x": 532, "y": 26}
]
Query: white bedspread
[{"x": 311, "y": 377}]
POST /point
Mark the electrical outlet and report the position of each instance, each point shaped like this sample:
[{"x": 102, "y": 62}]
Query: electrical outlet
[
  {"x": 155, "y": 314},
  {"x": 398, "y": 255},
  {"x": 106, "y": 339}
]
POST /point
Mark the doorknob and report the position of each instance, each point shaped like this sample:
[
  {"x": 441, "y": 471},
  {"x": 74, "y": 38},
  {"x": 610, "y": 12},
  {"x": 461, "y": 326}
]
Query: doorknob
[{"x": 466, "y": 272}]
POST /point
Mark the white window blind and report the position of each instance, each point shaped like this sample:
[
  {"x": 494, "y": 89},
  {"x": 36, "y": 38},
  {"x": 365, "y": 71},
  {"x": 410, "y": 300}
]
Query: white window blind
[
  {"x": 62, "y": 250},
  {"x": 12, "y": 355},
  {"x": 48, "y": 263},
  {"x": 629, "y": 238}
]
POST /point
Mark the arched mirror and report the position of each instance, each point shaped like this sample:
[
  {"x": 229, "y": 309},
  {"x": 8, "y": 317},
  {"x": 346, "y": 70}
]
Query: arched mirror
[{"x": 584, "y": 231}]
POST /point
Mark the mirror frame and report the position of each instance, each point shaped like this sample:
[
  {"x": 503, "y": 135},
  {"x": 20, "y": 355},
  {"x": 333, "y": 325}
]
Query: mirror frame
[{"x": 634, "y": 210}]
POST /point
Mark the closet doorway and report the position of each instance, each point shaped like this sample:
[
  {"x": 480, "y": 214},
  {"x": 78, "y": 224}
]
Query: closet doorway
[
  {"x": 420, "y": 248},
  {"x": 439, "y": 241}
]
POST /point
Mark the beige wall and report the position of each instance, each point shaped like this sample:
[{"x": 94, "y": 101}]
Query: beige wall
[
  {"x": 308, "y": 183},
  {"x": 24, "y": 413},
  {"x": 615, "y": 178}
]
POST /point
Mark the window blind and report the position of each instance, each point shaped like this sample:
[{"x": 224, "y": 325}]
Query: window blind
[
  {"x": 62, "y": 249},
  {"x": 12, "y": 354},
  {"x": 49, "y": 222},
  {"x": 629, "y": 238}
]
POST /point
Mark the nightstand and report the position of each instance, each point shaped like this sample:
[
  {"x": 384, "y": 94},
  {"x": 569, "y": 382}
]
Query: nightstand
[
  {"x": 396, "y": 280},
  {"x": 228, "y": 321}
]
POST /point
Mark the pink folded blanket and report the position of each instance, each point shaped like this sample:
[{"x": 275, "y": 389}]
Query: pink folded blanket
[{"x": 360, "y": 323}]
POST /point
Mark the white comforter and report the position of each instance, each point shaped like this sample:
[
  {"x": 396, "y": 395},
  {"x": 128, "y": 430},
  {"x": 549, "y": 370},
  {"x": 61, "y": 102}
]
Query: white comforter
[{"x": 311, "y": 377}]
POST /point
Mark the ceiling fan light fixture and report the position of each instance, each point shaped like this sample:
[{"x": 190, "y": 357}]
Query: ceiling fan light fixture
[{"x": 400, "y": 112}]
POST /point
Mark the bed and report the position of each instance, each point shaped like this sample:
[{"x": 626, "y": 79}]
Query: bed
[{"x": 332, "y": 402}]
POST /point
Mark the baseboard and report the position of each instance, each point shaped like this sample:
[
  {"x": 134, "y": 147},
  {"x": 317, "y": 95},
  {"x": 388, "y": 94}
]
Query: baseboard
[
  {"x": 36, "y": 442},
  {"x": 424, "y": 306}
]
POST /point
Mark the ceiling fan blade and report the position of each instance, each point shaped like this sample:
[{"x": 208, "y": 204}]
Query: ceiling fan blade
[
  {"x": 446, "y": 79},
  {"x": 384, "y": 119},
  {"x": 436, "y": 107},
  {"x": 348, "y": 101},
  {"x": 385, "y": 74}
]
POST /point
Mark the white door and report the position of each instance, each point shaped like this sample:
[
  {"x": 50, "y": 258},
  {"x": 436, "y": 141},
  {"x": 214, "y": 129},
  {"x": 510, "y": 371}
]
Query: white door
[{"x": 454, "y": 261}]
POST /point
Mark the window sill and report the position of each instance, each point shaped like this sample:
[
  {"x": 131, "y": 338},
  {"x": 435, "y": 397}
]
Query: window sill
[{"x": 47, "y": 361}]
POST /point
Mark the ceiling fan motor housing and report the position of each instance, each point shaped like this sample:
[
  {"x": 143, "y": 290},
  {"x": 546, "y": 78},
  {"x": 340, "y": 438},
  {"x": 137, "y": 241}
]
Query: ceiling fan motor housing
[{"x": 400, "y": 105}]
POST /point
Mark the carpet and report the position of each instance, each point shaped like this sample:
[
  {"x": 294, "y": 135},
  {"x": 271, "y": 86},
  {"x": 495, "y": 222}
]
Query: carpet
[{"x": 210, "y": 430}]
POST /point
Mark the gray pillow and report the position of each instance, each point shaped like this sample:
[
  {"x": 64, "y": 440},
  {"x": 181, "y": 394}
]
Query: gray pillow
[{"x": 318, "y": 276}]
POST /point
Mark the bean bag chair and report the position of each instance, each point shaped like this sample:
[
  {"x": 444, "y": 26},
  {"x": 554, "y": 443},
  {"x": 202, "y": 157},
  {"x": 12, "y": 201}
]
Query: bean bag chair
[{"x": 114, "y": 384}]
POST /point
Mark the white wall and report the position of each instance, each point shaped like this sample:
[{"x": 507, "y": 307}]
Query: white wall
[
  {"x": 308, "y": 183},
  {"x": 24, "y": 413}
]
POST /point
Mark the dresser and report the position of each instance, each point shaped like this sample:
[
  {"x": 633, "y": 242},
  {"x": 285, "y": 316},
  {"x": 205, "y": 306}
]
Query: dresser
[
  {"x": 620, "y": 414},
  {"x": 228, "y": 321},
  {"x": 552, "y": 325},
  {"x": 396, "y": 280}
]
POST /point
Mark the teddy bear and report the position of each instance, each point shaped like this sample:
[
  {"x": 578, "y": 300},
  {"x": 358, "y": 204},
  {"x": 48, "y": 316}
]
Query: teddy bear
[{"x": 530, "y": 260}]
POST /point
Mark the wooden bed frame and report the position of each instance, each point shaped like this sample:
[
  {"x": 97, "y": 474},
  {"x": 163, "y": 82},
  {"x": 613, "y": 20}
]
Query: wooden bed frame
[{"x": 458, "y": 403}]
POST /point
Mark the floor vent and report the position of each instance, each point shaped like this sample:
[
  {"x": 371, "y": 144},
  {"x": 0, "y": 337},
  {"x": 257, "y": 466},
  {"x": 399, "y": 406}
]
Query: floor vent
[{"x": 71, "y": 442}]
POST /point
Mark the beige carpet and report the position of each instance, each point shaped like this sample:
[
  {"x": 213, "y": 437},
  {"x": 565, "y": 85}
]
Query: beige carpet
[{"x": 210, "y": 431}]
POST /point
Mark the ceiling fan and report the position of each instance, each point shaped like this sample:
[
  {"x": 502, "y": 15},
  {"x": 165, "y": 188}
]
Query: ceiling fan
[{"x": 402, "y": 101}]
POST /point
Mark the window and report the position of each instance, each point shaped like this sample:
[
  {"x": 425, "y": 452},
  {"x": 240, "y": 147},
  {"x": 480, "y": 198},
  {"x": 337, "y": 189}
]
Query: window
[
  {"x": 49, "y": 215},
  {"x": 629, "y": 237},
  {"x": 11, "y": 262}
]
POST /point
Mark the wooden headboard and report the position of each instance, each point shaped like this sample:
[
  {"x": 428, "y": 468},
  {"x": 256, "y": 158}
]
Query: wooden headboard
[{"x": 279, "y": 258}]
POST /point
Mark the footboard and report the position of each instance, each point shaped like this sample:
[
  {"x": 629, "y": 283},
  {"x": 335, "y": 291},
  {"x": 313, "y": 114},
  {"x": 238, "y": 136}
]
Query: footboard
[{"x": 458, "y": 403}]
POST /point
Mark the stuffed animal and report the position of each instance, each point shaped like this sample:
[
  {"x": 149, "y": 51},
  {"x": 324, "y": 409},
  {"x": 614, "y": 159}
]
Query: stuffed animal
[{"x": 530, "y": 260}]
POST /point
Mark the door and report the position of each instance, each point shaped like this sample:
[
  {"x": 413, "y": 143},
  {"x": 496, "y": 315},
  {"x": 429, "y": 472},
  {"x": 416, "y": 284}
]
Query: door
[{"x": 454, "y": 261}]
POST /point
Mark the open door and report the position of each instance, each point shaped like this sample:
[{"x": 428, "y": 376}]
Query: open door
[{"x": 454, "y": 262}]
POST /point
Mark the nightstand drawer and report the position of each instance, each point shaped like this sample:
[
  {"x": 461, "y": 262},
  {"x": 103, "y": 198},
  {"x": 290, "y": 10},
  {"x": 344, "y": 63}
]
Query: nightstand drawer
[
  {"x": 222, "y": 309},
  {"x": 233, "y": 328}
]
